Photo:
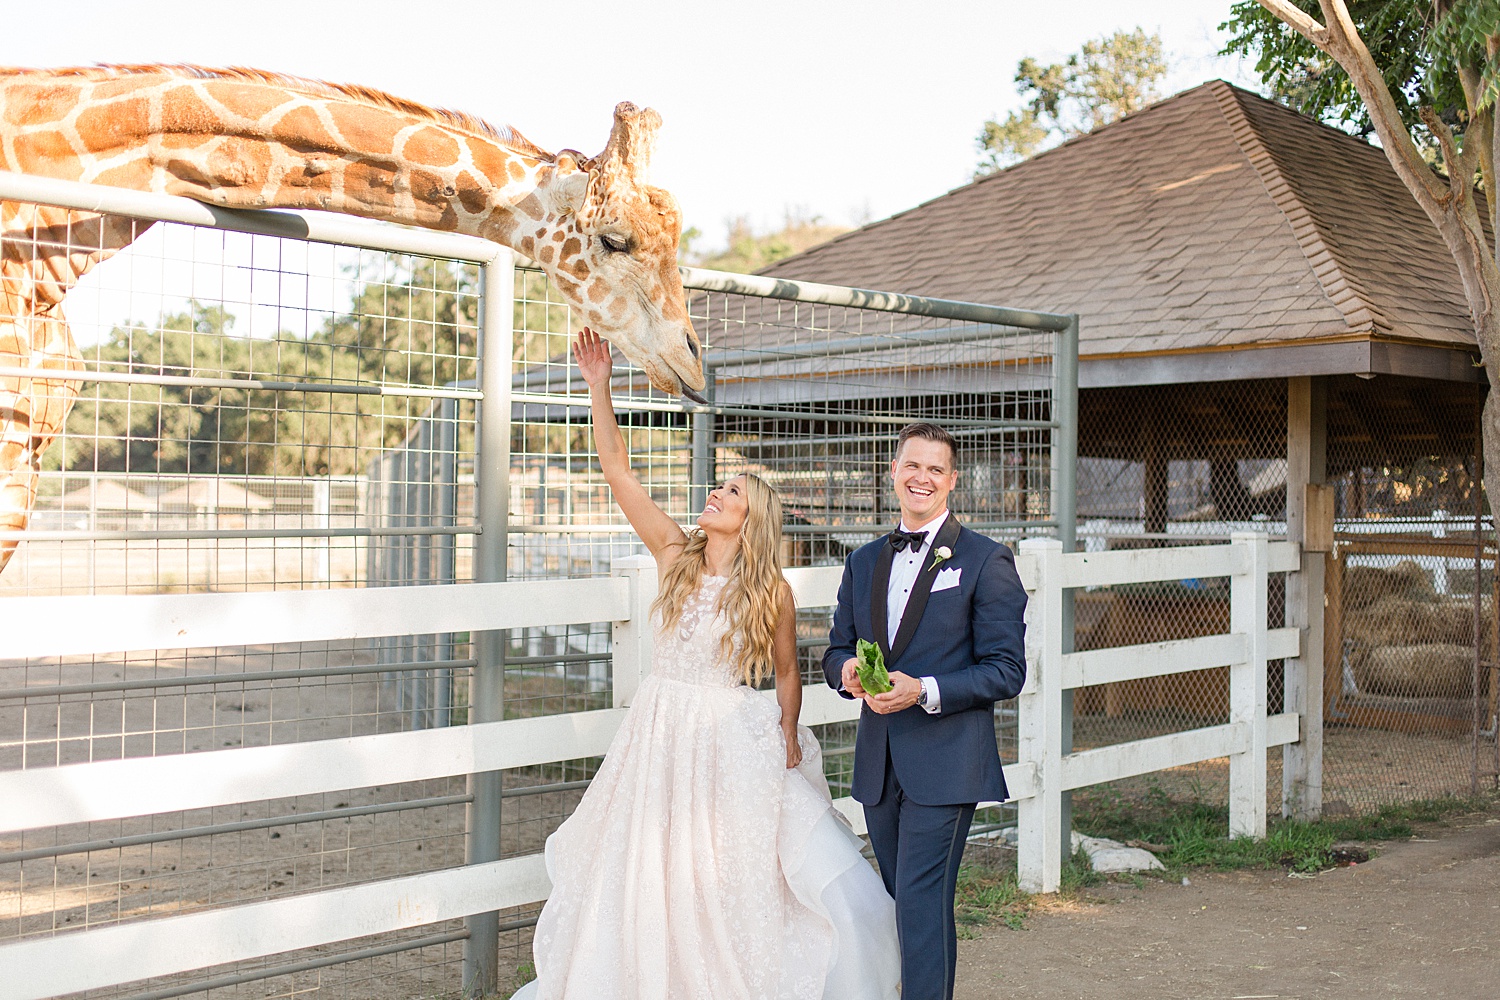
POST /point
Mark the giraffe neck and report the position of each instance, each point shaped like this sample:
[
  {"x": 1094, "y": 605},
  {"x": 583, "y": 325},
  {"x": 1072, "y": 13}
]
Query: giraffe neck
[{"x": 245, "y": 143}]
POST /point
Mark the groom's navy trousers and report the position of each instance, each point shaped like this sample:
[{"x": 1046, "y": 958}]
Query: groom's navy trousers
[{"x": 919, "y": 774}]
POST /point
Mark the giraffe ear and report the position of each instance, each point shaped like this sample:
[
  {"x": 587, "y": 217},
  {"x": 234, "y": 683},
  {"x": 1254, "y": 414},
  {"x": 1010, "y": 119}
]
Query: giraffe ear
[
  {"x": 570, "y": 183},
  {"x": 627, "y": 156}
]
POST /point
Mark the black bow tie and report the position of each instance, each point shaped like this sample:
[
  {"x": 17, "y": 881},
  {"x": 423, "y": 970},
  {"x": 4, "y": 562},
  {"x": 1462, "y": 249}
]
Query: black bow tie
[{"x": 901, "y": 539}]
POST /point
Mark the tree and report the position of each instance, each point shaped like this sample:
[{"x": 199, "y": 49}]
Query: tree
[
  {"x": 749, "y": 251},
  {"x": 1111, "y": 77},
  {"x": 1437, "y": 76}
]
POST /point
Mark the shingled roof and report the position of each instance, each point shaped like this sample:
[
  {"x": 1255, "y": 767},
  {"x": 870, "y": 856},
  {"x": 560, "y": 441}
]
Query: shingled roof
[{"x": 1214, "y": 235}]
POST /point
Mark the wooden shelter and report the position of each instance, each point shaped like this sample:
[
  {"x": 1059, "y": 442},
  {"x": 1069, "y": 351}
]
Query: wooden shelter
[{"x": 1269, "y": 325}]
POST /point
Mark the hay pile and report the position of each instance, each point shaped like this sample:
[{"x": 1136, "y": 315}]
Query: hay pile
[
  {"x": 1407, "y": 641},
  {"x": 1430, "y": 670}
]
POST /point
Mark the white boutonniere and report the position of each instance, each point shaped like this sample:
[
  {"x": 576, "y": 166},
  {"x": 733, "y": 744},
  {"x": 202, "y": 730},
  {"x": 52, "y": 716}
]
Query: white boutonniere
[{"x": 940, "y": 555}]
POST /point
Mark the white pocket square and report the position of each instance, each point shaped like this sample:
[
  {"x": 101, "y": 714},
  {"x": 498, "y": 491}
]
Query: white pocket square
[{"x": 946, "y": 578}]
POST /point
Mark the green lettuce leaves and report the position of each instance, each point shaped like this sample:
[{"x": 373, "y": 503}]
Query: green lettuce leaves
[{"x": 872, "y": 674}]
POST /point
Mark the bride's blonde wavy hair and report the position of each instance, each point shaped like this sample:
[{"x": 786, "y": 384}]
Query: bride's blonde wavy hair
[{"x": 751, "y": 600}]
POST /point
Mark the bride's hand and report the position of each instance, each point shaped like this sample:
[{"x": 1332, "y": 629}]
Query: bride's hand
[
  {"x": 793, "y": 749},
  {"x": 592, "y": 354}
]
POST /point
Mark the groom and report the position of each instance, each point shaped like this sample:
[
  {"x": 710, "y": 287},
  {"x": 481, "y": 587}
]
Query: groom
[{"x": 946, "y": 606}]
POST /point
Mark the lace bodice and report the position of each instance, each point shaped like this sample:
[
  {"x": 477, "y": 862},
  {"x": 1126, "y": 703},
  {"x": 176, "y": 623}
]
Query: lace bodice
[{"x": 691, "y": 652}]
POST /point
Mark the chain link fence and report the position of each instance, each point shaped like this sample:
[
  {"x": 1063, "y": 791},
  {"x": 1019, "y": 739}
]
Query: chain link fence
[
  {"x": 1409, "y": 679},
  {"x": 1162, "y": 466},
  {"x": 1409, "y": 674}
]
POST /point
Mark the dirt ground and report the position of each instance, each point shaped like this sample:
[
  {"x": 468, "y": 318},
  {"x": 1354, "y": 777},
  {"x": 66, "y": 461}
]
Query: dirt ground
[{"x": 1420, "y": 919}]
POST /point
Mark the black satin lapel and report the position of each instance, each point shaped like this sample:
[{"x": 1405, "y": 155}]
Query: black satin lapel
[
  {"x": 921, "y": 590},
  {"x": 879, "y": 596}
]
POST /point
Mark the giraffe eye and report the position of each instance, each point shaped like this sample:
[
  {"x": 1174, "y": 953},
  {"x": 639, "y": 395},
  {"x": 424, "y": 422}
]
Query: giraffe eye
[{"x": 613, "y": 243}]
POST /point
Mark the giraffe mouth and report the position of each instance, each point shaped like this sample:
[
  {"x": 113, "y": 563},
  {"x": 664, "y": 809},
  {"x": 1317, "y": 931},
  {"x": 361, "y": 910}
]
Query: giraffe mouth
[{"x": 694, "y": 396}]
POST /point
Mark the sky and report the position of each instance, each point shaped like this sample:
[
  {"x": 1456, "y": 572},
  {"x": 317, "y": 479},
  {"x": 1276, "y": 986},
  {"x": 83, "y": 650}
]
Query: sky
[{"x": 850, "y": 111}]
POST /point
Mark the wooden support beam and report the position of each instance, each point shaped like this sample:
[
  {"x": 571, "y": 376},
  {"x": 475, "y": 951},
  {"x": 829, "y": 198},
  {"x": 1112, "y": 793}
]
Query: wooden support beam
[{"x": 1309, "y": 523}]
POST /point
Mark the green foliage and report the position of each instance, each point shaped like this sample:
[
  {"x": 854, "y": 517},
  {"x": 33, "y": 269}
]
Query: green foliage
[
  {"x": 984, "y": 895},
  {"x": 690, "y": 235},
  {"x": 414, "y": 323},
  {"x": 127, "y": 427},
  {"x": 1197, "y": 835},
  {"x": 1466, "y": 35},
  {"x": 1109, "y": 78},
  {"x": 1419, "y": 53},
  {"x": 748, "y": 251}
]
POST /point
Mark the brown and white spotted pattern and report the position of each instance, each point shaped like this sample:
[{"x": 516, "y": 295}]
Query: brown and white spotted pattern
[{"x": 246, "y": 139}]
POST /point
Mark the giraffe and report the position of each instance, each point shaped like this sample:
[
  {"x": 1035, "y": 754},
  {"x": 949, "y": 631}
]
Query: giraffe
[{"x": 242, "y": 138}]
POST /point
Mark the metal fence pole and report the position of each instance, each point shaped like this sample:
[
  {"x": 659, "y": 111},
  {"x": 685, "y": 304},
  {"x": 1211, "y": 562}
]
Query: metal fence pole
[
  {"x": 1065, "y": 513},
  {"x": 487, "y": 690},
  {"x": 447, "y": 544},
  {"x": 701, "y": 477}
]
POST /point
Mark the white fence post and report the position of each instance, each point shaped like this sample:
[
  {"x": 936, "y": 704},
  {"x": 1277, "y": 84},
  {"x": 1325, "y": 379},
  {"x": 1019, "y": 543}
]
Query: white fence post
[
  {"x": 632, "y": 640},
  {"x": 1247, "y": 686},
  {"x": 1039, "y": 725}
]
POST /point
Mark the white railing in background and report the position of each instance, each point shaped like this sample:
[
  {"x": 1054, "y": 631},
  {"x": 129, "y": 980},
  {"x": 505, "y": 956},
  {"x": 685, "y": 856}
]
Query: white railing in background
[{"x": 93, "y": 958}]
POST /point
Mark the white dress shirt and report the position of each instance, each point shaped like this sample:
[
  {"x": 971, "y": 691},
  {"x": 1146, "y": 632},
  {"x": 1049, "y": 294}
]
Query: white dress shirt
[{"x": 906, "y": 566}]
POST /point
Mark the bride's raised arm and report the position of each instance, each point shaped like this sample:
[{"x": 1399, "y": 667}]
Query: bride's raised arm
[{"x": 661, "y": 534}]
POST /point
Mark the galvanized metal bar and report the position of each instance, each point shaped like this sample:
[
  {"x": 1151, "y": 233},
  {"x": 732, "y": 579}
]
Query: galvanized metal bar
[
  {"x": 911, "y": 340},
  {"x": 702, "y": 476},
  {"x": 316, "y": 227},
  {"x": 322, "y": 962},
  {"x": 1065, "y": 436},
  {"x": 487, "y": 688},
  {"x": 1064, "y": 513},
  {"x": 553, "y": 376},
  {"x": 786, "y": 529},
  {"x": 146, "y": 535},
  {"x": 963, "y": 433},
  {"x": 268, "y": 385},
  {"x": 199, "y": 680},
  {"x": 652, "y": 406},
  {"x": 529, "y": 661},
  {"x": 862, "y": 298},
  {"x": 447, "y": 572}
]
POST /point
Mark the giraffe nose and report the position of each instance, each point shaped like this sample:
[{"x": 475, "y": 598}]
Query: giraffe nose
[{"x": 693, "y": 345}]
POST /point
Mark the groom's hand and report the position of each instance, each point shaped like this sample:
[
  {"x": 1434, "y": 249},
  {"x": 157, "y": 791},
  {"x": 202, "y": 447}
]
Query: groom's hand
[
  {"x": 904, "y": 692},
  {"x": 850, "y": 678}
]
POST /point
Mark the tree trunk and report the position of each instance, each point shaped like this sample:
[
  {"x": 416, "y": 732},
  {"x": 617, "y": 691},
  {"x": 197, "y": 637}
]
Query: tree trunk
[{"x": 1451, "y": 206}]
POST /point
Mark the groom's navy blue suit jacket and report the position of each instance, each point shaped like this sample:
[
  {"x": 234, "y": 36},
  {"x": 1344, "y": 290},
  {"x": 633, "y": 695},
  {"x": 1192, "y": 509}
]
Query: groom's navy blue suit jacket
[{"x": 970, "y": 638}]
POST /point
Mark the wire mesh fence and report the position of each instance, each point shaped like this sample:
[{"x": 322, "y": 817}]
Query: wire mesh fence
[
  {"x": 1162, "y": 466},
  {"x": 269, "y": 413},
  {"x": 1410, "y": 677},
  {"x": 1407, "y": 714},
  {"x": 238, "y": 390}
]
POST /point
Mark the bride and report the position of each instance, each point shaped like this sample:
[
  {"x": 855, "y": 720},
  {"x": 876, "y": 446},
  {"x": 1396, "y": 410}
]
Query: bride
[{"x": 706, "y": 861}]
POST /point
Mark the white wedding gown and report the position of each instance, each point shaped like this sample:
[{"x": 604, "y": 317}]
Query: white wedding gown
[{"x": 697, "y": 866}]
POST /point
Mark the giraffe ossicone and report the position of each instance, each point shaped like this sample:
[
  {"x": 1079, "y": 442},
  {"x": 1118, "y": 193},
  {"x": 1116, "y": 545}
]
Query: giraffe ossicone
[{"x": 243, "y": 138}]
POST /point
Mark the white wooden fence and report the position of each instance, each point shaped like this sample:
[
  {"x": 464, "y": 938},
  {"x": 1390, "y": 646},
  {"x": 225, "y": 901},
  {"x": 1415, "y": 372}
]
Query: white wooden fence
[{"x": 93, "y": 958}]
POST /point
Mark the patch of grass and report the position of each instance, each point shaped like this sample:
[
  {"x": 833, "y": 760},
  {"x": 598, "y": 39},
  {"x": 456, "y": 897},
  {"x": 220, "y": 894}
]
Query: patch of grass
[
  {"x": 1197, "y": 835},
  {"x": 1078, "y": 873},
  {"x": 986, "y": 895},
  {"x": 525, "y": 973}
]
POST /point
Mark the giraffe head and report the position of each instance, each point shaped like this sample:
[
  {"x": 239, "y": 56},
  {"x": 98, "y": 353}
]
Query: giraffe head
[{"x": 613, "y": 252}]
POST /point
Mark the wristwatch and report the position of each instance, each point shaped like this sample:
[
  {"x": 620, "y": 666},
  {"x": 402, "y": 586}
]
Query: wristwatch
[{"x": 922, "y": 698}]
